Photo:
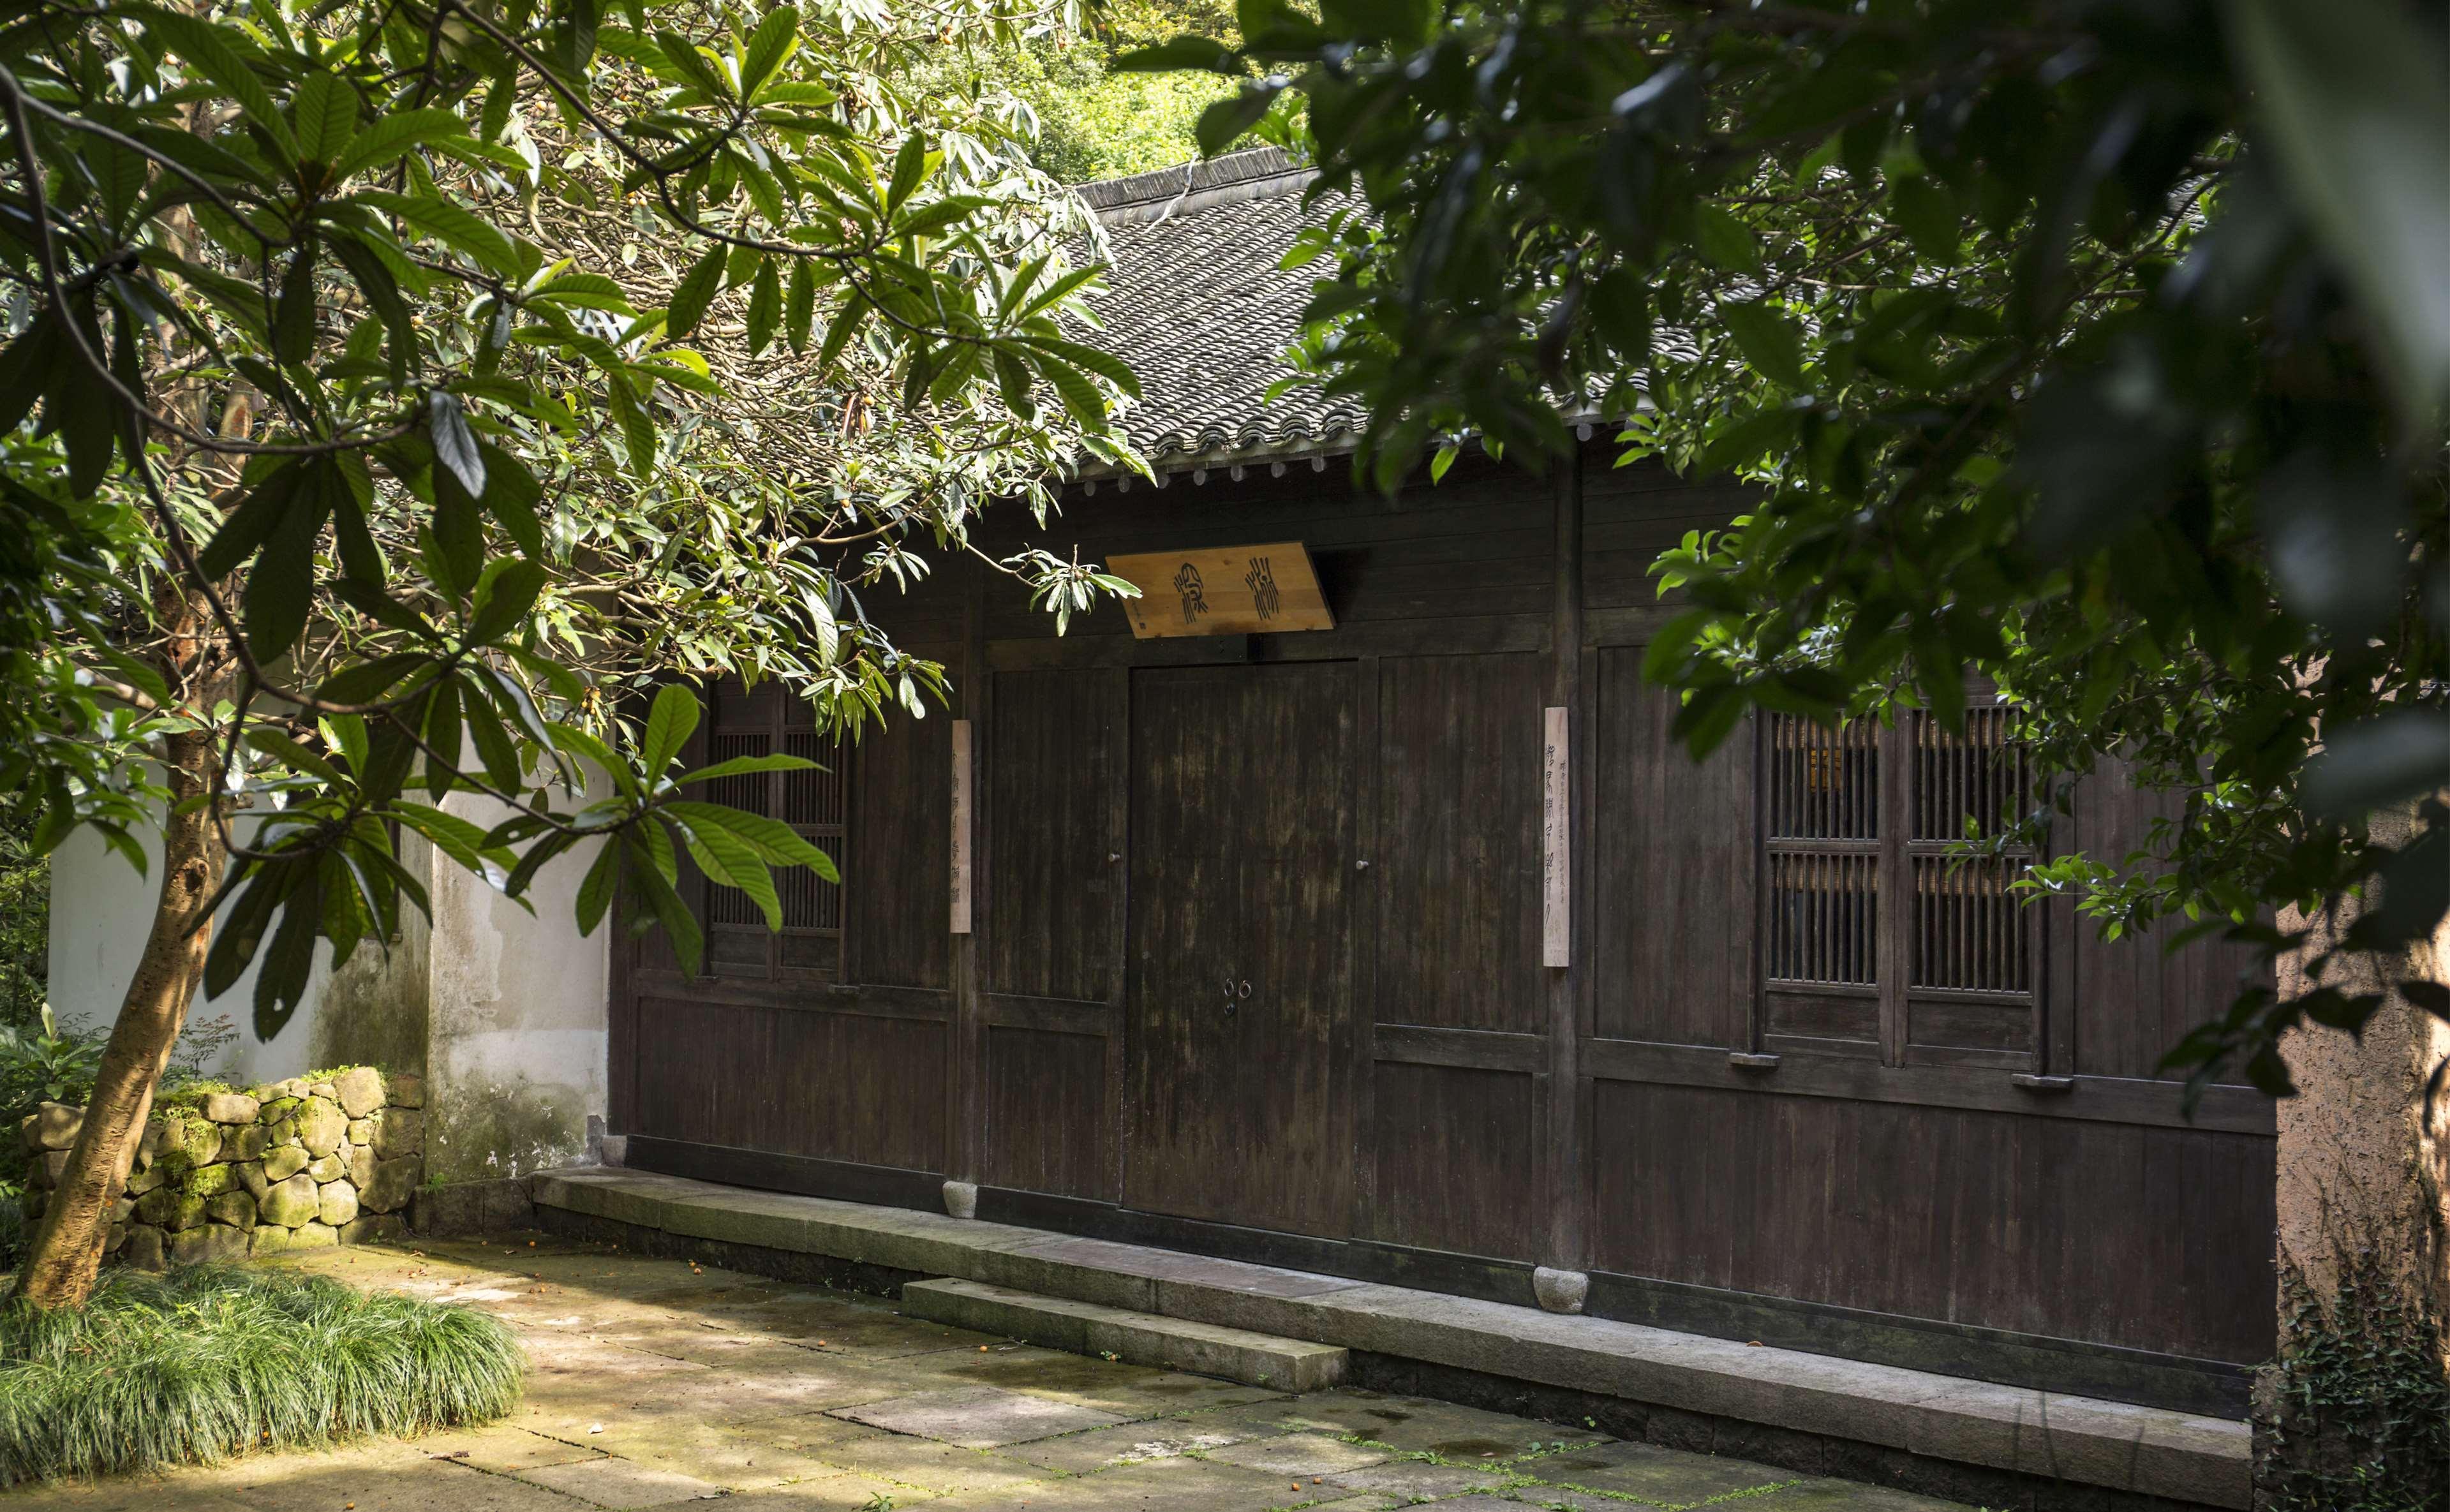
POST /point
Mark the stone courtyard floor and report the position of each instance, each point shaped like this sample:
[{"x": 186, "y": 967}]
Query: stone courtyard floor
[{"x": 661, "y": 1384}]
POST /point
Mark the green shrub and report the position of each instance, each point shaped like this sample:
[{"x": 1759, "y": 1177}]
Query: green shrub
[{"x": 212, "y": 1361}]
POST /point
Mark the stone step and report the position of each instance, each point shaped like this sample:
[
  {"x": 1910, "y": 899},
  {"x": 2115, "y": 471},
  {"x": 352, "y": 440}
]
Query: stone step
[
  {"x": 2040, "y": 1436},
  {"x": 1134, "y": 1338}
]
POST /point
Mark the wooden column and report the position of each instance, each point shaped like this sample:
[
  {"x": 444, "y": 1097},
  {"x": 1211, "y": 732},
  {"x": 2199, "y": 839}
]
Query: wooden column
[{"x": 1568, "y": 1173}]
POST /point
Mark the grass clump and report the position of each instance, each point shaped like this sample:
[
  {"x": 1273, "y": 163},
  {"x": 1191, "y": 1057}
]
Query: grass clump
[{"x": 212, "y": 1361}]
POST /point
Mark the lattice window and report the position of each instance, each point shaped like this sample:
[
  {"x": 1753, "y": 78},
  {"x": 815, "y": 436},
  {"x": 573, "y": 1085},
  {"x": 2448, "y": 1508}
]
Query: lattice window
[
  {"x": 1823, "y": 828},
  {"x": 1879, "y": 937},
  {"x": 1970, "y": 928},
  {"x": 813, "y": 803},
  {"x": 753, "y": 793}
]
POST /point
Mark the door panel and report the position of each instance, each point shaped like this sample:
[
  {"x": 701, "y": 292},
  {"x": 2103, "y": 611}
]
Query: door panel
[{"x": 1242, "y": 862}]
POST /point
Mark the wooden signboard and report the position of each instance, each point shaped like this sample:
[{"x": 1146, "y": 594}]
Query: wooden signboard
[
  {"x": 1223, "y": 590},
  {"x": 1556, "y": 875},
  {"x": 961, "y": 827}
]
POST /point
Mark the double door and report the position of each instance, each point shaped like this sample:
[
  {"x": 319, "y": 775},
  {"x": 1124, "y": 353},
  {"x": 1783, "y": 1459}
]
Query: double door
[{"x": 1245, "y": 883}]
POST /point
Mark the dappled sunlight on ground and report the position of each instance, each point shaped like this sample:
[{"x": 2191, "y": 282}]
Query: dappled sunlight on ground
[{"x": 661, "y": 1383}]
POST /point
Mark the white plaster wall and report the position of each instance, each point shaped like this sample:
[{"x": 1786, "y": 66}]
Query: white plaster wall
[
  {"x": 101, "y": 911},
  {"x": 513, "y": 1003},
  {"x": 515, "y": 1053}
]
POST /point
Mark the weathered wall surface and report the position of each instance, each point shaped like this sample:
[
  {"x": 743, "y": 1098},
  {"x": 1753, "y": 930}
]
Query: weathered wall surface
[
  {"x": 2362, "y": 1161},
  {"x": 515, "y": 1047}
]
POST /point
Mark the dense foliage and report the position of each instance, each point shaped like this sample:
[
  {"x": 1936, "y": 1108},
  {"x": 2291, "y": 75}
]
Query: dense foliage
[
  {"x": 436, "y": 373},
  {"x": 215, "y": 1361},
  {"x": 1094, "y": 121},
  {"x": 2096, "y": 349}
]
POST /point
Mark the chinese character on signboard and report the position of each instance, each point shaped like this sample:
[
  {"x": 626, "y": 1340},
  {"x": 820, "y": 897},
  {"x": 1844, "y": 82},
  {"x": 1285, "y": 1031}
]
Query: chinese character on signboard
[{"x": 1194, "y": 595}]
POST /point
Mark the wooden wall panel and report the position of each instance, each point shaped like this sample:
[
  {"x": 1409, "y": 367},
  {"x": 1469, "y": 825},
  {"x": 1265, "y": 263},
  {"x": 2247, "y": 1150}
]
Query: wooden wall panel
[
  {"x": 2133, "y": 999},
  {"x": 896, "y": 885},
  {"x": 860, "y": 1087},
  {"x": 1459, "y": 827},
  {"x": 698, "y": 1079},
  {"x": 1047, "y": 1113},
  {"x": 1459, "y": 1160},
  {"x": 1054, "y": 894},
  {"x": 1630, "y": 515},
  {"x": 2155, "y": 1239},
  {"x": 1675, "y": 871}
]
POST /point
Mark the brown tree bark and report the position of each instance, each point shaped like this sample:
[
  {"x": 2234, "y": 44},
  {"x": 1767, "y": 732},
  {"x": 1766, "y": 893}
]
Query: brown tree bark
[{"x": 66, "y": 1250}]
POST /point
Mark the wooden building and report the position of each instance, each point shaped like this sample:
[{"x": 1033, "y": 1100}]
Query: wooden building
[{"x": 1410, "y": 949}]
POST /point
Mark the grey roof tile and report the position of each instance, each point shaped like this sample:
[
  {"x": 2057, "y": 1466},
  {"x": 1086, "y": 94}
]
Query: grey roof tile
[{"x": 1196, "y": 304}]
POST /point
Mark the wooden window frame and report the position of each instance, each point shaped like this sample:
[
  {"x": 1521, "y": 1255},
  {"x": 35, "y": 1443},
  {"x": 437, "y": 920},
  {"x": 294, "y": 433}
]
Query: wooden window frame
[{"x": 1903, "y": 861}]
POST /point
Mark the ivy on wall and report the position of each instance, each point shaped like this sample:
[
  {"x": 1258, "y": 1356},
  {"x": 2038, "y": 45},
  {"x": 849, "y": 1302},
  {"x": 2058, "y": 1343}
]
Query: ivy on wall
[{"x": 2361, "y": 1418}]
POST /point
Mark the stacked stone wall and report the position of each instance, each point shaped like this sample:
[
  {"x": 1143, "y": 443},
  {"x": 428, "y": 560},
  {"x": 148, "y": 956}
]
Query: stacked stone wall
[{"x": 297, "y": 1164}]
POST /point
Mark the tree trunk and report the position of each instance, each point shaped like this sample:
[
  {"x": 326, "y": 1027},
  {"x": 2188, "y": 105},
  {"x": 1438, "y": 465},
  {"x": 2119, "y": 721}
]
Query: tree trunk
[{"x": 66, "y": 1250}]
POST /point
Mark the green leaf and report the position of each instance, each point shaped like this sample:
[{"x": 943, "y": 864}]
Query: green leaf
[
  {"x": 455, "y": 443},
  {"x": 909, "y": 167},
  {"x": 773, "y": 41},
  {"x": 695, "y": 291},
  {"x": 442, "y": 736},
  {"x": 450, "y": 224},
  {"x": 393, "y": 134},
  {"x": 670, "y": 722},
  {"x": 744, "y": 767},
  {"x": 326, "y": 110},
  {"x": 512, "y": 496},
  {"x": 844, "y": 324},
  {"x": 2375, "y": 762},
  {"x": 1178, "y": 53},
  {"x": 1222, "y": 124},
  {"x": 1725, "y": 242},
  {"x": 688, "y": 940},
  {"x": 637, "y": 426},
  {"x": 1105, "y": 364},
  {"x": 2355, "y": 99},
  {"x": 208, "y": 53},
  {"x": 595, "y": 890},
  {"x": 800, "y": 306},
  {"x": 250, "y": 525},
  {"x": 293, "y": 325},
  {"x": 504, "y": 594},
  {"x": 281, "y": 589},
  {"x": 728, "y": 860},
  {"x": 1768, "y": 340},
  {"x": 1927, "y": 215},
  {"x": 765, "y": 307}
]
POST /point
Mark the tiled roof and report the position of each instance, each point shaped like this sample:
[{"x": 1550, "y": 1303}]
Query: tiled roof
[{"x": 1196, "y": 304}]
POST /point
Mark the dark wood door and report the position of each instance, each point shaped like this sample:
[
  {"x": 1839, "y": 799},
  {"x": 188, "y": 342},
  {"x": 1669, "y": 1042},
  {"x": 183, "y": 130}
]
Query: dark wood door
[{"x": 1241, "y": 959}]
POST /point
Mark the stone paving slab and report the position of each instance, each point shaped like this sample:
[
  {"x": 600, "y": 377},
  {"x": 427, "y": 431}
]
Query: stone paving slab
[
  {"x": 656, "y": 1384},
  {"x": 978, "y": 1418}
]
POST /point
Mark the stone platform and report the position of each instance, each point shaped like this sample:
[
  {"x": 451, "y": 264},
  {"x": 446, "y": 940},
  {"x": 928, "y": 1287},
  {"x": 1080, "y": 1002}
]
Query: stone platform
[{"x": 1968, "y": 1440}]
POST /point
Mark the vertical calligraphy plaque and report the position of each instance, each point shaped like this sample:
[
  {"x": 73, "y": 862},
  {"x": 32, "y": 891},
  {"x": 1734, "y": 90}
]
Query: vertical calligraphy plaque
[
  {"x": 961, "y": 827},
  {"x": 1556, "y": 809}
]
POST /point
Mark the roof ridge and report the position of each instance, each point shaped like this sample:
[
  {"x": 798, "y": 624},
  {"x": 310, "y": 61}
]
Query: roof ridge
[{"x": 1257, "y": 173}]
